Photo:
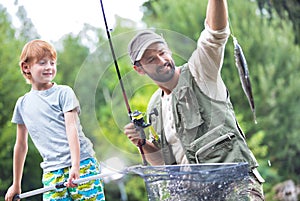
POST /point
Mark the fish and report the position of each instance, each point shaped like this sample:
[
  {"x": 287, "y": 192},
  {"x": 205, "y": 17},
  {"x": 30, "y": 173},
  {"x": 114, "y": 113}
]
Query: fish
[{"x": 241, "y": 64}]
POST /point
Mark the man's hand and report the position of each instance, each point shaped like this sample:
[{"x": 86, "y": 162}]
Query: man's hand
[{"x": 132, "y": 133}]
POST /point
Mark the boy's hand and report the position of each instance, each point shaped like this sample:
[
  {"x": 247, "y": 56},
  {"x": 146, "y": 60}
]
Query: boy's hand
[
  {"x": 74, "y": 174},
  {"x": 11, "y": 192}
]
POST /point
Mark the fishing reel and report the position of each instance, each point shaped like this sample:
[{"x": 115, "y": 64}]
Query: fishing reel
[{"x": 137, "y": 118}]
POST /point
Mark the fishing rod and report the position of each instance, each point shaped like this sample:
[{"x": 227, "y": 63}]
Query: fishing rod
[
  {"x": 63, "y": 185},
  {"x": 136, "y": 117}
]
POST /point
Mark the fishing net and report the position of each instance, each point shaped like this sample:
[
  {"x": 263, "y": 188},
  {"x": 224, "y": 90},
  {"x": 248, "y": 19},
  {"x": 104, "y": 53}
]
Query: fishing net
[{"x": 195, "y": 182}]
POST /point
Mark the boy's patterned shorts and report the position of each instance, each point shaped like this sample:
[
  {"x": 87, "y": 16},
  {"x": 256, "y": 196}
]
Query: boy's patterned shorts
[{"x": 91, "y": 190}]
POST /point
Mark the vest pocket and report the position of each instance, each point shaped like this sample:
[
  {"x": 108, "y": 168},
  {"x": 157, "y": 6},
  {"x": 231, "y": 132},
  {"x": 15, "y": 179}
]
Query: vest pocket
[
  {"x": 188, "y": 114},
  {"x": 214, "y": 151}
]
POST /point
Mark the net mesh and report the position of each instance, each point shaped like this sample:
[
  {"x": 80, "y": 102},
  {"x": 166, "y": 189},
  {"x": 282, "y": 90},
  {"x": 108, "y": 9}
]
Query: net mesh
[{"x": 195, "y": 182}]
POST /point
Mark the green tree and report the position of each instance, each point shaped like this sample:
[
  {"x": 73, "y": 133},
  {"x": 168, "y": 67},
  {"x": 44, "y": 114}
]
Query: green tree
[
  {"x": 286, "y": 10},
  {"x": 27, "y": 30},
  {"x": 70, "y": 58}
]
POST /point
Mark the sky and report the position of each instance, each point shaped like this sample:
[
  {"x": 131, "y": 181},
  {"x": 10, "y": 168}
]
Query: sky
[{"x": 55, "y": 18}]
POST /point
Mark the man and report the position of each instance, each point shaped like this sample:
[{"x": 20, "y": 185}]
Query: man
[{"x": 196, "y": 122}]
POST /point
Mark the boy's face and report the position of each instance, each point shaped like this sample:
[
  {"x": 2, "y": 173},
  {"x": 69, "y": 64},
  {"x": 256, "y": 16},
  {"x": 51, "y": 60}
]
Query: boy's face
[
  {"x": 42, "y": 71},
  {"x": 157, "y": 63}
]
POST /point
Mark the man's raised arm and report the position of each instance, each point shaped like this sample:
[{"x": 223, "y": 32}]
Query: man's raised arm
[{"x": 217, "y": 14}]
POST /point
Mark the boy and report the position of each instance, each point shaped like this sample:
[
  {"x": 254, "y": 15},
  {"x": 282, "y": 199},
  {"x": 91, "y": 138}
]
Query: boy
[{"x": 49, "y": 113}]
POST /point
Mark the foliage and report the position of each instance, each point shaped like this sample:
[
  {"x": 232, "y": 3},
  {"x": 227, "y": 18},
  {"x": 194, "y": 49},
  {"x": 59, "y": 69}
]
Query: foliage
[
  {"x": 70, "y": 59},
  {"x": 179, "y": 17},
  {"x": 286, "y": 10},
  {"x": 27, "y": 30}
]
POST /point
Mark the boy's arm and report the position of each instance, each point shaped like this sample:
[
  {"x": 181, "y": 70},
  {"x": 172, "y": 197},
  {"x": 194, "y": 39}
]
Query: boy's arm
[
  {"x": 71, "y": 118},
  {"x": 20, "y": 151}
]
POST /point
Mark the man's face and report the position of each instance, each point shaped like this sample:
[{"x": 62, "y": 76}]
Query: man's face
[{"x": 157, "y": 63}]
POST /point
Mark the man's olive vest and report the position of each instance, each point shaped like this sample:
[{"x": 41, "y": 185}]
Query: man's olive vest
[{"x": 207, "y": 128}]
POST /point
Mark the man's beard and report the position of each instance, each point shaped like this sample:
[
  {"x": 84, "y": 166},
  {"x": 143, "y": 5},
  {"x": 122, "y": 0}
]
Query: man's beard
[{"x": 165, "y": 76}]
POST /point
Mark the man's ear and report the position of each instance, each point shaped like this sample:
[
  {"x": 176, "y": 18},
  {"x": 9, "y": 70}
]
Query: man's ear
[{"x": 139, "y": 69}]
